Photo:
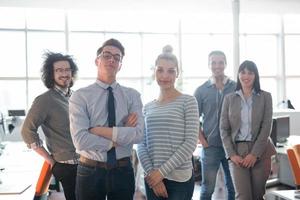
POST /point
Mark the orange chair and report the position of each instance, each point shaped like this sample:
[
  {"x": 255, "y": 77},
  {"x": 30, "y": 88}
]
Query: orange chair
[
  {"x": 294, "y": 159},
  {"x": 296, "y": 149},
  {"x": 43, "y": 183}
]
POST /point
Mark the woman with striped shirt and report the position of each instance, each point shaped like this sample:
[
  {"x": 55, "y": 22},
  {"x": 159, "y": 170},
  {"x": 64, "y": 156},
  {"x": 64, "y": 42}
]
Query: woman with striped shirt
[{"x": 171, "y": 134}]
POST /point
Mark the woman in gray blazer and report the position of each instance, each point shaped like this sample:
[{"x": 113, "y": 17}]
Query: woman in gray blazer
[{"x": 246, "y": 121}]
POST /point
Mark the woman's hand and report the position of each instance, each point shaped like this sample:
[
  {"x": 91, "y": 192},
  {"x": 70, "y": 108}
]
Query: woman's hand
[
  {"x": 160, "y": 190},
  {"x": 237, "y": 160},
  {"x": 249, "y": 161},
  {"x": 153, "y": 178}
]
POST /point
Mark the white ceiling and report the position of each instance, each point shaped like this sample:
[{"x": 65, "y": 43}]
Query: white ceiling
[{"x": 175, "y": 6}]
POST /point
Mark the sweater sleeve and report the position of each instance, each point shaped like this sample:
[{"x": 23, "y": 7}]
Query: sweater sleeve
[{"x": 36, "y": 116}]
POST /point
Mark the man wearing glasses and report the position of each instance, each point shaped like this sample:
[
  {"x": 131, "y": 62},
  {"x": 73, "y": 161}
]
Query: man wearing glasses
[
  {"x": 105, "y": 121},
  {"x": 50, "y": 110}
]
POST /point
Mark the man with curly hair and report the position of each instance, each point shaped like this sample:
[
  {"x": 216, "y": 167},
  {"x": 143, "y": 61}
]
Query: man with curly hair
[{"x": 50, "y": 111}]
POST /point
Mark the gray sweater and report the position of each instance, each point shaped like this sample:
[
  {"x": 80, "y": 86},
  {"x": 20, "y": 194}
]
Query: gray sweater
[{"x": 50, "y": 110}]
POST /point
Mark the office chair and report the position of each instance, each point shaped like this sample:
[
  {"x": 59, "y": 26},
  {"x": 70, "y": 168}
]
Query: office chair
[
  {"x": 41, "y": 189},
  {"x": 296, "y": 149},
  {"x": 293, "y": 154}
]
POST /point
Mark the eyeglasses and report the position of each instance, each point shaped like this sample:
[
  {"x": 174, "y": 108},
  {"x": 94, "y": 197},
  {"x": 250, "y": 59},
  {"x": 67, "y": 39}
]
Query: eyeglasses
[
  {"x": 107, "y": 56},
  {"x": 61, "y": 70}
]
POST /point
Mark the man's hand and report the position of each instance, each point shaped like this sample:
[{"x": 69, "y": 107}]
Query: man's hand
[
  {"x": 249, "y": 161},
  {"x": 153, "y": 178},
  {"x": 131, "y": 120},
  {"x": 160, "y": 190},
  {"x": 202, "y": 139}
]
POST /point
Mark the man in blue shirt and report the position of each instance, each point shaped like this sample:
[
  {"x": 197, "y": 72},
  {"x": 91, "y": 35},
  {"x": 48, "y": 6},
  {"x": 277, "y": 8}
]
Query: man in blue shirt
[
  {"x": 210, "y": 97},
  {"x": 95, "y": 137}
]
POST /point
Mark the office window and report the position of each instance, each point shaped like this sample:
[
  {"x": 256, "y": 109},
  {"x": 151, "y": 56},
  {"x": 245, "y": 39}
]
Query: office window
[
  {"x": 38, "y": 44},
  {"x": 259, "y": 23},
  {"x": 292, "y": 49},
  {"x": 45, "y": 19},
  {"x": 191, "y": 84},
  {"x": 132, "y": 61},
  {"x": 12, "y": 51},
  {"x": 35, "y": 88},
  {"x": 292, "y": 86},
  {"x": 12, "y": 18},
  {"x": 80, "y": 33},
  {"x": 207, "y": 23},
  {"x": 13, "y": 94},
  {"x": 270, "y": 85},
  {"x": 152, "y": 47},
  {"x": 195, "y": 50},
  {"x": 84, "y": 46},
  {"x": 150, "y": 90},
  {"x": 261, "y": 49},
  {"x": 292, "y": 23}
]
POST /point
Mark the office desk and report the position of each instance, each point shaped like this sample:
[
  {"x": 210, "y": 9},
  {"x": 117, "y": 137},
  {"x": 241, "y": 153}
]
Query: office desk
[
  {"x": 21, "y": 169},
  {"x": 283, "y": 195}
]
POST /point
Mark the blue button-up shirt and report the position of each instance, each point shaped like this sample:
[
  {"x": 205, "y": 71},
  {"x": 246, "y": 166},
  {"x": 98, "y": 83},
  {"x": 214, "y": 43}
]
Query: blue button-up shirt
[
  {"x": 88, "y": 108},
  {"x": 210, "y": 101}
]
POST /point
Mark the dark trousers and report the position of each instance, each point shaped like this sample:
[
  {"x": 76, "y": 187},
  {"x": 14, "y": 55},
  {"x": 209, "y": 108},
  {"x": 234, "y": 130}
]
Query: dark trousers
[
  {"x": 95, "y": 183},
  {"x": 66, "y": 174},
  {"x": 176, "y": 190}
]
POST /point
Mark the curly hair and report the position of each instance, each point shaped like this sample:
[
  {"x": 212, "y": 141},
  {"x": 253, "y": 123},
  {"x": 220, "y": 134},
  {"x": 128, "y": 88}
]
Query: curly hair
[{"x": 48, "y": 71}]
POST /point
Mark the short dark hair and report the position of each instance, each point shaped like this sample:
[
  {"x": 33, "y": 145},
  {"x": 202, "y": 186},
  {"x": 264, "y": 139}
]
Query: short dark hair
[
  {"x": 251, "y": 66},
  {"x": 48, "y": 68},
  {"x": 112, "y": 42},
  {"x": 217, "y": 53}
]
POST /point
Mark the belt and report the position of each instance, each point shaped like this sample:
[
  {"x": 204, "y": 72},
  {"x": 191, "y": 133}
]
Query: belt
[
  {"x": 123, "y": 162},
  {"x": 242, "y": 141}
]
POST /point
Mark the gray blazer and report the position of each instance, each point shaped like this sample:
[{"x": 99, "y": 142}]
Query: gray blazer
[{"x": 260, "y": 128}]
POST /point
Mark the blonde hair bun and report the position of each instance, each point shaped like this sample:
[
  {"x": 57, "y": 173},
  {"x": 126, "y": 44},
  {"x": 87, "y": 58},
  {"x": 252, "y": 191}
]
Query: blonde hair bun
[{"x": 167, "y": 49}]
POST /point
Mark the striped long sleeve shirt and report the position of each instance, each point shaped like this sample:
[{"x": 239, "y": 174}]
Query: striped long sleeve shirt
[{"x": 171, "y": 134}]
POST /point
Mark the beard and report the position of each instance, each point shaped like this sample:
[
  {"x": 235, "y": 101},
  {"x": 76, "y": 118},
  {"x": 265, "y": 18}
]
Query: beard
[{"x": 64, "y": 83}]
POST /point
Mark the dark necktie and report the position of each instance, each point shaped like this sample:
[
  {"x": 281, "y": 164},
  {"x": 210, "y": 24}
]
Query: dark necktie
[{"x": 111, "y": 154}]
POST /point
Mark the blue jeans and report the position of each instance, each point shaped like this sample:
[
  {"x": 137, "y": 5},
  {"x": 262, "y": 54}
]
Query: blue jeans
[
  {"x": 176, "y": 190},
  {"x": 95, "y": 183},
  {"x": 66, "y": 174},
  {"x": 211, "y": 158}
]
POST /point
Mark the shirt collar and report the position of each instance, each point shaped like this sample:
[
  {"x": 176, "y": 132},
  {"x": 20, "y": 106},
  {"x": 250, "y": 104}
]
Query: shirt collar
[
  {"x": 240, "y": 93},
  {"x": 64, "y": 92},
  {"x": 212, "y": 80},
  {"x": 105, "y": 86}
]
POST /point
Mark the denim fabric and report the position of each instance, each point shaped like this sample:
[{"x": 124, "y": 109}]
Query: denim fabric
[
  {"x": 98, "y": 183},
  {"x": 66, "y": 174},
  {"x": 210, "y": 101},
  {"x": 176, "y": 190},
  {"x": 211, "y": 158}
]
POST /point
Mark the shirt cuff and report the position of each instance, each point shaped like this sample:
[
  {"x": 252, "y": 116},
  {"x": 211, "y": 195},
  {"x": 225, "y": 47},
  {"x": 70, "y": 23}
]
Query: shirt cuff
[
  {"x": 114, "y": 134},
  {"x": 35, "y": 145}
]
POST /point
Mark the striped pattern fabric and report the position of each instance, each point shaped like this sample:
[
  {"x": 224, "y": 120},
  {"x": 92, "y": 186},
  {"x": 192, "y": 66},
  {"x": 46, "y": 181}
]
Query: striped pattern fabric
[{"x": 171, "y": 134}]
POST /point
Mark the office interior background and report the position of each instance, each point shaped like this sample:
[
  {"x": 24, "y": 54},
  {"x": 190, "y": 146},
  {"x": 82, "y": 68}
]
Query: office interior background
[{"x": 265, "y": 31}]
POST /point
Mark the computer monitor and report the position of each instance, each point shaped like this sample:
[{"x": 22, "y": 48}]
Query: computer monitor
[{"x": 280, "y": 130}]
